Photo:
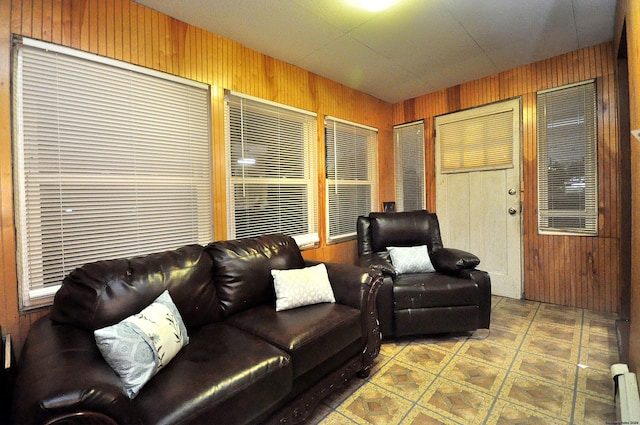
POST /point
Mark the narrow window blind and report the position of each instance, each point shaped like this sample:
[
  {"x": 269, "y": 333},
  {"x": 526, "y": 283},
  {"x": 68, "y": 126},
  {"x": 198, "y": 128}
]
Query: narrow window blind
[
  {"x": 110, "y": 161},
  {"x": 409, "y": 166},
  {"x": 352, "y": 174},
  {"x": 271, "y": 169},
  {"x": 567, "y": 160},
  {"x": 477, "y": 143}
]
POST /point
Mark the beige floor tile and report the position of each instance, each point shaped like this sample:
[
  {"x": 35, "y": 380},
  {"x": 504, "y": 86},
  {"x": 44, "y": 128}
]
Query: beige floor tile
[
  {"x": 602, "y": 341},
  {"x": 505, "y": 336},
  {"x": 541, "y": 396},
  {"x": 421, "y": 416},
  {"x": 505, "y": 413},
  {"x": 431, "y": 358},
  {"x": 489, "y": 352},
  {"x": 519, "y": 308},
  {"x": 599, "y": 359},
  {"x": 595, "y": 382},
  {"x": 371, "y": 404},
  {"x": 475, "y": 374},
  {"x": 391, "y": 348},
  {"x": 505, "y": 320},
  {"x": 590, "y": 410},
  {"x": 545, "y": 368},
  {"x": 403, "y": 379},
  {"x": 538, "y": 344},
  {"x": 566, "y": 333},
  {"x": 457, "y": 402}
]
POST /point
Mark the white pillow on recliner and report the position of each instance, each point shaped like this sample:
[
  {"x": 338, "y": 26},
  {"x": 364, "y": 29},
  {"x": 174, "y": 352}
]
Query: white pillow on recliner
[{"x": 411, "y": 259}]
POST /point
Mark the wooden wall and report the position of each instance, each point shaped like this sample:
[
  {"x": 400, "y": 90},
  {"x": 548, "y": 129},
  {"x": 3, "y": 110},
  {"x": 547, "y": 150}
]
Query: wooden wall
[
  {"x": 571, "y": 271},
  {"x": 628, "y": 18},
  {"x": 126, "y": 31}
]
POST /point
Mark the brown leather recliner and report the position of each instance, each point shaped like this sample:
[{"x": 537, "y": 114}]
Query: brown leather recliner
[{"x": 456, "y": 297}]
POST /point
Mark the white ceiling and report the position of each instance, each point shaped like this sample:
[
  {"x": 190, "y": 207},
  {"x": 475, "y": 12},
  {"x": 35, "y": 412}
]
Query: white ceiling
[{"x": 414, "y": 47}]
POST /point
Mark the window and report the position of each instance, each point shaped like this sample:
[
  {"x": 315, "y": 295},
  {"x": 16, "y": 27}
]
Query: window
[
  {"x": 409, "y": 166},
  {"x": 478, "y": 139},
  {"x": 567, "y": 160},
  {"x": 271, "y": 169},
  {"x": 352, "y": 174},
  {"x": 110, "y": 160}
]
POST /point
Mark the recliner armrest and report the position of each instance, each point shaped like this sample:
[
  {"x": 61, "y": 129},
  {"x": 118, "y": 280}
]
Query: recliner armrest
[
  {"x": 377, "y": 263},
  {"x": 451, "y": 259}
]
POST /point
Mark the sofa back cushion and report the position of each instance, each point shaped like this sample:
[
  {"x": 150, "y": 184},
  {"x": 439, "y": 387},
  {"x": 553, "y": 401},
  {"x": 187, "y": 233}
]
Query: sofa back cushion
[
  {"x": 242, "y": 269},
  {"x": 105, "y": 292},
  {"x": 409, "y": 228}
]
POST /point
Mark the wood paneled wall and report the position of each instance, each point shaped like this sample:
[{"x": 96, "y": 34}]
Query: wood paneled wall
[
  {"x": 572, "y": 271},
  {"x": 124, "y": 30},
  {"x": 628, "y": 20}
]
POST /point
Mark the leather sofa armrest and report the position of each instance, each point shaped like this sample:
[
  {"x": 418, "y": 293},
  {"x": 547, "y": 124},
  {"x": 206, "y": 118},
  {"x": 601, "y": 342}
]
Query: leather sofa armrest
[
  {"x": 351, "y": 284},
  {"x": 447, "y": 260},
  {"x": 358, "y": 287},
  {"x": 62, "y": 378},
  {"x": 377, "y": 263}
]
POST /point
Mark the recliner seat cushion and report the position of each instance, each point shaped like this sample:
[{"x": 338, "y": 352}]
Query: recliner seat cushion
[
  {"x": 310, "y": 335},
  {"x": 221, "y": 367},
  {"x": 424, "y": 290}
]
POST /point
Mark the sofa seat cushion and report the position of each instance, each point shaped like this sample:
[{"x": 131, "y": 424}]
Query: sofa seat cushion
[
  {"x": 310, "y": 334},
  {"x": 425, "y": 290},
  {"x": 222, "y": 367}
]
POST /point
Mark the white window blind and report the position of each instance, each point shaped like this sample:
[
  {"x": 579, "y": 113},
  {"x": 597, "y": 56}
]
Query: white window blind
[
  {"x": 110, "y": 161},
  {"x": 271, "y": 169},
  {"x": 409, "y": 166},
  {"x": 352, "y": 175},
  {"x": 567, "y": 160},
  {"x": 481, "y": 140}
]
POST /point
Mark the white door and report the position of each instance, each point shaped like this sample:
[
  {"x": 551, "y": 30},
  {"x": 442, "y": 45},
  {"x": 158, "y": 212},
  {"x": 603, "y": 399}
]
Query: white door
[{"x": 478, "y": 202}]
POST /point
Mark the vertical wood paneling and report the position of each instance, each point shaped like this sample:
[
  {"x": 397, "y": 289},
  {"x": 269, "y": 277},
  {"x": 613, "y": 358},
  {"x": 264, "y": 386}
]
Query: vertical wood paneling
[
  {"x": 127, "y": 31},
  {"x": 572, "y": 271},
  {"x": 8, "y": 292}
]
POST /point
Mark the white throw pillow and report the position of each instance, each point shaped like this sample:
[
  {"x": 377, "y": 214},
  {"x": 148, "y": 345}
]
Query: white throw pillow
[
  {"x": 300, "y": 287},
  {"x": 142, "y": 344},
  {"x": 411, "y": 259}
]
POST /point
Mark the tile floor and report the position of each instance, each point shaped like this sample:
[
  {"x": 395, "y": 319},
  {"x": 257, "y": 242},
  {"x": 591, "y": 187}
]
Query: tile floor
[{"x": 538, "y": 364}]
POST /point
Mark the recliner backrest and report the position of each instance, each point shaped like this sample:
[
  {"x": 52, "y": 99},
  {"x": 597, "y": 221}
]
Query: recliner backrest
[{"x": 410, "y": 228}]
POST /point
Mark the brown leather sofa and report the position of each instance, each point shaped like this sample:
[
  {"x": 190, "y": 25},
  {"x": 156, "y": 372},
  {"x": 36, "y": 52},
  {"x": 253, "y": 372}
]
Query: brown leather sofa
[
  {"x": 244, "y": 363},
  {"x": 456, "y": 297}
]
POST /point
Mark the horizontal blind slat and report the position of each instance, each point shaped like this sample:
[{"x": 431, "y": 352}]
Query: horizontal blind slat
[{"x": 114, "y": 162}]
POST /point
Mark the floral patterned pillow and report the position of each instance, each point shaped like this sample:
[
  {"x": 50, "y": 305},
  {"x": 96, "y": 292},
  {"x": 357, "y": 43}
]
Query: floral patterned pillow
[{"x": 142, "y": 344}]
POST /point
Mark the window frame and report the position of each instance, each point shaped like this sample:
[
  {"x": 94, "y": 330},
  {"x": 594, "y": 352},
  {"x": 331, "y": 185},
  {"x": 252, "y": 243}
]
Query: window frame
[
  {"x": 588, "y": 217},
  {"x": 400, "y": 167},
  {"x": 307, "y": 149},
  {"x": 334, "y": 182},
  {"x": 60, "y": 229}
]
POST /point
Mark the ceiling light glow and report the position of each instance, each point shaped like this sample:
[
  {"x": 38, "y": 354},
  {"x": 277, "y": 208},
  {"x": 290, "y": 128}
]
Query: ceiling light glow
[{"x": 376, "y": 5}]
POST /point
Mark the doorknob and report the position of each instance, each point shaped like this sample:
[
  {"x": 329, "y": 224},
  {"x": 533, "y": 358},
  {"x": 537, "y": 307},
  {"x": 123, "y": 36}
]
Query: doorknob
[
  {"x": 512, "y": 211},
  {"x": 512, "y": 191}
]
